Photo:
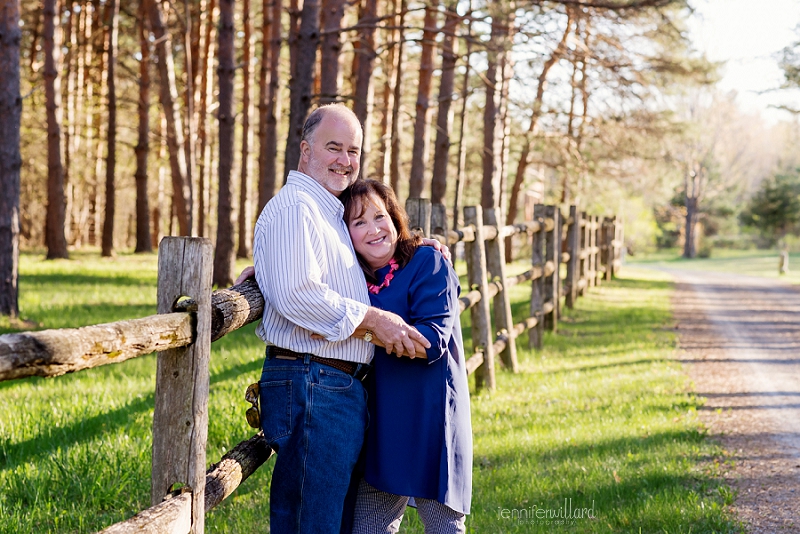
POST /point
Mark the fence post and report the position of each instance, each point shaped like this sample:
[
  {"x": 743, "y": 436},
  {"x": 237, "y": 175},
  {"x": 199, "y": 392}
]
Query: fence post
[
  {"x": 419, "y": 215},
  {"x": 496, "y": 264},
  {"x": 616, "y": 243},
  {"x": 607, "y": 248},
  {"x": 595, "y": 250},
  {"x": 583, "y": 259},
  {"x": 536, "y": 334},
  {"x": 481, "y": 318},
  {"x": 552, "y": 283},
  {"x": 180, "y": 419},
  {"x": 574, "y": 248},
  {"x": 439, "y": 220}
]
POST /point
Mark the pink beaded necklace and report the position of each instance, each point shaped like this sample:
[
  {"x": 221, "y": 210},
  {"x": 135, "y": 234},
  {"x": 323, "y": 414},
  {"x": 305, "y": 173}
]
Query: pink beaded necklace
[{"x": 392, "y": 268}]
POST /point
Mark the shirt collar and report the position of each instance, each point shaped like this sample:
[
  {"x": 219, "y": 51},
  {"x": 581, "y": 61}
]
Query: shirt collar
[{"x": 324, "y": 198}]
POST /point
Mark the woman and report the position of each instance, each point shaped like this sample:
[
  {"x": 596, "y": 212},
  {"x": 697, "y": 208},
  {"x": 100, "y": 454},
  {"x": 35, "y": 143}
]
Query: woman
[{"x": 419, "y": 440}]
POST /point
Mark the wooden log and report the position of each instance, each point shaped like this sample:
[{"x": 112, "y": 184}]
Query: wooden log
[
  {"x": 525, "y": 325},
  {"x": 56, "y": 352},
  {"x": 235, "y": 467},
  {"x": 496, "y": 264},
  {"x": 574, "y": 250},
  {"x": 231, "y": 308},
  {"x": 467, "y": 301},
  {"x": 222, "y": 479},
  {"x": 66, "y": 350},
  {"x": 474, "y": 363},
  {"x": 480, "y": 315},
  {"x": 173, "y": 516},
  {"x": 552, "y": 280},
  {"x": 180, "y": 417},
  {"x": 536, "y": 334}
]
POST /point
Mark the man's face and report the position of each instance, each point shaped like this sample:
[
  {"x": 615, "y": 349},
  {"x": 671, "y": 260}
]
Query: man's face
[{"x": 333, "y": 154}]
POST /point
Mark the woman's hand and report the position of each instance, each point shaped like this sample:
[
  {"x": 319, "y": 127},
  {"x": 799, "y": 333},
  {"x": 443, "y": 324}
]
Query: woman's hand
[{"x": 426, "y": 242}]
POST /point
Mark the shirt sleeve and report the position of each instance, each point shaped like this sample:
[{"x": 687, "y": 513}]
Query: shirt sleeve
[
  {"x": 433, "y": 302},
  {"x": 291, "y": 263}
]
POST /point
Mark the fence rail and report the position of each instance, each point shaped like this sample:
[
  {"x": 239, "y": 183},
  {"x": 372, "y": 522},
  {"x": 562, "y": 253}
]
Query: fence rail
[{"x": 191, "y": 317}]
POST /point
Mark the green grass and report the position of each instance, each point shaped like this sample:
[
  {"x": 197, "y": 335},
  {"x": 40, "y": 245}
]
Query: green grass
[
  {"x": 600, "y": 416},
  {"x": 762, "y": 263}
]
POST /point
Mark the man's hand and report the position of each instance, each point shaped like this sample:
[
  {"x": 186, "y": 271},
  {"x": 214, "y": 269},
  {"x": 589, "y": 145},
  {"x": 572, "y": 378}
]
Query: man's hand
[
  {"x": 248, "y": 272},
  {"x": 438, "y": 246},
  {"x": 419, "y": 351},
  {"x": 394, "y": 333}
]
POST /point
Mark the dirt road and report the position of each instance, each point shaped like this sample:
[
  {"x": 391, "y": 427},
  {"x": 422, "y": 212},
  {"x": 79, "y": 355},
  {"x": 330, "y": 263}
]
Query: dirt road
[{"x": 740, "y": 340}]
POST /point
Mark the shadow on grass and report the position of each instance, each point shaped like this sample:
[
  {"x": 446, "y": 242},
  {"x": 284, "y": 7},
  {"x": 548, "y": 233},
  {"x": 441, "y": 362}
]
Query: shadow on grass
[
  {"x": 74, "y": 280},
  {"x": 623, "y": 494},
  {"x": 75, "y": 432}
]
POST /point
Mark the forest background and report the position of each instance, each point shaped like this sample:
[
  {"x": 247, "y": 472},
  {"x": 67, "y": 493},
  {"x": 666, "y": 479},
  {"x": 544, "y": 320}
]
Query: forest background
[{"x": 149, "y": 118}]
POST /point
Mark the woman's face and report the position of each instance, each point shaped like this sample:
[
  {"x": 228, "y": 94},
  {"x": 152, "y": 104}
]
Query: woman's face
[{"x": 373, "y": 233}]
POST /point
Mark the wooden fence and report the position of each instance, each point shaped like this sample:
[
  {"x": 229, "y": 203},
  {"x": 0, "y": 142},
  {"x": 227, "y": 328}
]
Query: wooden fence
[{"x": 190, "y": 317}]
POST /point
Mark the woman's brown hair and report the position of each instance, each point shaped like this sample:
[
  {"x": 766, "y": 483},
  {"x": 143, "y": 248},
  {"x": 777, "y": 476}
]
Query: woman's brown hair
[{"x": 356, "y": 197}]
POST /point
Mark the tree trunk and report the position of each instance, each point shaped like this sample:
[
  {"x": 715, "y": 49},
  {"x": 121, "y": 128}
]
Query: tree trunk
[
  {"x": 55, "y": 239},
  {"x": 111, "y": 147},
  {"x": 89, "y": 126},
  {"x": 388, "y": 61},
  {"x": 689, "y": 249},
  {"x": 394, "y": 163},
  {"x": 224, "y": 253},
  {"x": 204, "y": 147},
  {"x": 533, "y": 127},
  {"x": 462, "y": 146},
  {"x": 245, "y": 207},
  {"x": 76, "y": 186},
  {"x": 10, "y": 159},
  {"x": 158, "y": 210},
  {"x": 365, "y": 60},
  {"x": 441, "y": 153},
  {"x": 492, "y": 118},
  {"x": 302, "y": 81},
  {"x": 419, "y": 153},
  {"x": 142, "y": 149},
  {"x": 269, "y": 147},
  {"x": 191, "y": 130},
  {"x": 182, "y": 188},
  {"x": 98, "y": 157},
  {"x": 71, "y": 33},
  {"x": 330, "y": 48}
]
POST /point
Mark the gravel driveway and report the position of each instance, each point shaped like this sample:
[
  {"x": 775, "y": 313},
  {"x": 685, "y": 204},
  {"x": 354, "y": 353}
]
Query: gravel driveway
[{"x": 740, "y": 341}]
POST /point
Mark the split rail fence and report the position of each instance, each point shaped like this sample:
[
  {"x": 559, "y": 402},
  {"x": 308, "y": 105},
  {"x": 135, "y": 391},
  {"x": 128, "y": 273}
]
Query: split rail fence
[{"x": 190, "y": 317}]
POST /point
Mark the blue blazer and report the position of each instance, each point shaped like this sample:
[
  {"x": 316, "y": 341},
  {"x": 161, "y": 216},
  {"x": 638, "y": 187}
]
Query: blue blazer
[{"x": 419, "y": 440}]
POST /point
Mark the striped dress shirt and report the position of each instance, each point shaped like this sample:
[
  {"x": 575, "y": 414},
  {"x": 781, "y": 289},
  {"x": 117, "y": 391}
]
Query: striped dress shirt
[{"x": 307, "y": 271}]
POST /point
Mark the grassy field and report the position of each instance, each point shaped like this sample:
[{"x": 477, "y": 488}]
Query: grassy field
[
  {"x": 763, "y": 263},
  {"x": 599, "y": 419}
]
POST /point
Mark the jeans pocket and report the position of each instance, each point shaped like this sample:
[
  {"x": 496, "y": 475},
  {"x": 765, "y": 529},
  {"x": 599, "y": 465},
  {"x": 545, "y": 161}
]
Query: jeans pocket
[
  {"x": 334, "y": 380},
  {"x": 276, "y": 409}
]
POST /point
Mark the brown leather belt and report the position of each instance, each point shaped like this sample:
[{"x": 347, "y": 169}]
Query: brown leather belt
[{"x": 356, "y": 370}]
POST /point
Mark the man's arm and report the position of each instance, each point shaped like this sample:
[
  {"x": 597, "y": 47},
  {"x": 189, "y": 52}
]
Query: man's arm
[
  {"x": 384, "y": 326},
  {"x": 393, "y": 332}
]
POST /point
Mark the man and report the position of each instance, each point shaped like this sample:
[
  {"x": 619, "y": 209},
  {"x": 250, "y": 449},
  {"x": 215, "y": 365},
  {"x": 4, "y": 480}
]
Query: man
[{"x": 313, "y": 405}]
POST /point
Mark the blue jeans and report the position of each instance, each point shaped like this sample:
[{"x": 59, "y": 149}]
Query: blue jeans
[{"x": 314, "y": 416}]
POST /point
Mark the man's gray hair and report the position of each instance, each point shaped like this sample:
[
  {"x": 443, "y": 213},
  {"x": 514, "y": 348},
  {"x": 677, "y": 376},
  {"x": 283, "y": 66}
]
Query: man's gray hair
[{"x": 316, "y": 116}]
